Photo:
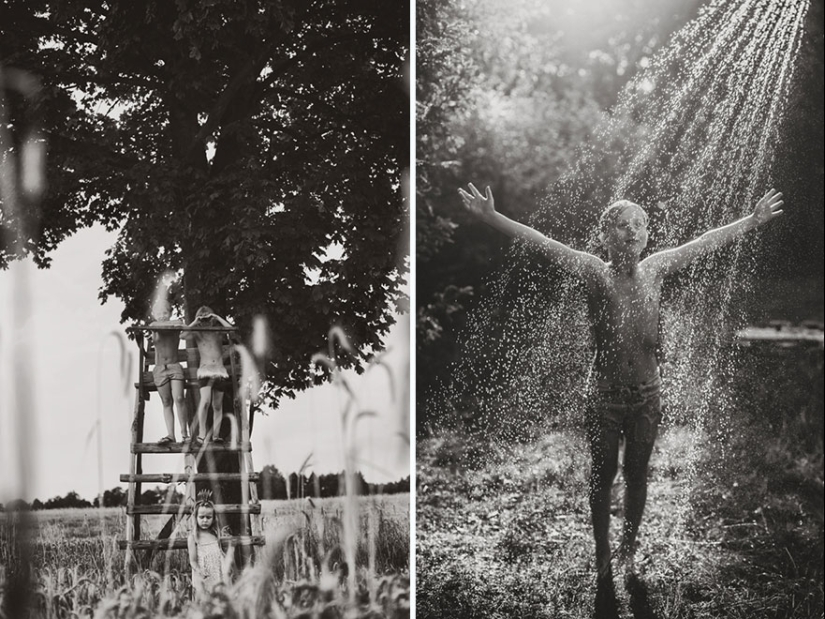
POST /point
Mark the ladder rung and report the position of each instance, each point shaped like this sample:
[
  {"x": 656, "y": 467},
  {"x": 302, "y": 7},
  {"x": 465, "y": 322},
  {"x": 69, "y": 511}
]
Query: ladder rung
[
  {"x": 177, "y": 448},
  {"x": 174, "y": 508},
  {"x": 168, "y": 478},
  {"x": 180, "y": 542}
]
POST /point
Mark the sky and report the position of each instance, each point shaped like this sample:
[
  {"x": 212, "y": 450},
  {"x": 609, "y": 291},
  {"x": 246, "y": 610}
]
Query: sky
[{"x": 75, "y": 354}]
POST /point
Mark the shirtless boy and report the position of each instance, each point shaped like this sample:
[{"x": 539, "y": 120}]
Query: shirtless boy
[
  {"x": 168, "y": 373},
  {"x": 623, "y": 297},
  {"x": 212, "y": 375}
]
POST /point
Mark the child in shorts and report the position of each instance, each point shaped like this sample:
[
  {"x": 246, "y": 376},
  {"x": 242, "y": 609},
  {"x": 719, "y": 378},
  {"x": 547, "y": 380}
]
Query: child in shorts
[
  {"x": 168, "y": 372},
  {"x": 212, "y": 375},
  {"x": 623, "y": 297}
]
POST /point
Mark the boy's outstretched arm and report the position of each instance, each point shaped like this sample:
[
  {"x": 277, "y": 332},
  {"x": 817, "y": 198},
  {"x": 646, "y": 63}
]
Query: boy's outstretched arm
[
  {"x": 671, "y": 260},
  {"x": 483, "y": 207}
]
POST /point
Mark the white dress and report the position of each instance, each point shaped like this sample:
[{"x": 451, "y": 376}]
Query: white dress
[{"x": 210, "y": 562}]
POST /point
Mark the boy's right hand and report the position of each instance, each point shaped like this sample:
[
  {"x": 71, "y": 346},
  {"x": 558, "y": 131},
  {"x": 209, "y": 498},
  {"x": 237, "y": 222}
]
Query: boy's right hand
[
  {"x": 482, "y": 206},
  {"x": 768, "y": 207}
]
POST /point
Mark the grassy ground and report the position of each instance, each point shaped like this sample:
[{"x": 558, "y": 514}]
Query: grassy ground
[
  {"x": 78, "y": 568},
  {"x": 739, "y": 535},
  {"x": 733, "y": 526}
]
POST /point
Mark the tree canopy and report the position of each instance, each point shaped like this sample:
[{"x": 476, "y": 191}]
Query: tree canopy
[{"x": 254, "y": 148}]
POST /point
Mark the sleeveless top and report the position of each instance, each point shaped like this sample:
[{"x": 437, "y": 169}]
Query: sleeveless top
[{"x": 210, "y": 561}]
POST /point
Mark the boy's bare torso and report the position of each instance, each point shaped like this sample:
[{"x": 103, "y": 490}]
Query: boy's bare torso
[
  {"x": 624, "y": 311},
  {"x": 624, "y": 294},
  {"x": 166, "y": 342}
]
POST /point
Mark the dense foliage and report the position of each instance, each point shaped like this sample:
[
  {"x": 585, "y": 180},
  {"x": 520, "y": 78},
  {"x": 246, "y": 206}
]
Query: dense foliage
[{"x": 257, "y": 149}]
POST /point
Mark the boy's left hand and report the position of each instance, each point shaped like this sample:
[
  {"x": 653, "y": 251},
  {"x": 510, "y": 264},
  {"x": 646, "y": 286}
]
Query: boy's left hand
[{"x": 768, "y": 207}]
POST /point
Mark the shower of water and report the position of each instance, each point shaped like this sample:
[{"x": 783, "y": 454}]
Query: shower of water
[{"x": 692, "y": 138}]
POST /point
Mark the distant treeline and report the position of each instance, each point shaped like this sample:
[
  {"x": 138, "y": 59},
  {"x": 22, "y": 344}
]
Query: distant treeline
[{"x": 271, "y": 485}]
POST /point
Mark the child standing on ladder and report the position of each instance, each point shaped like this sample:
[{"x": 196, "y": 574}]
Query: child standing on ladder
[
  {"x": 623, "y": 297},
  {"x": 168, "y": 372},
  {"x": 212, "y": 375}
]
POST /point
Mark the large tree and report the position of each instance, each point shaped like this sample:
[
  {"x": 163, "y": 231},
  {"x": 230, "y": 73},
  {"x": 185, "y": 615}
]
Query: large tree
[{"x": 254, "y": 147}]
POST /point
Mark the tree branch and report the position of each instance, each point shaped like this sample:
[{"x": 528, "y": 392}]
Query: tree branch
[
  {"x": 122, "y": 160},
  {"x": 315, "y": 99},
  {"x": 223, "y": 102}
]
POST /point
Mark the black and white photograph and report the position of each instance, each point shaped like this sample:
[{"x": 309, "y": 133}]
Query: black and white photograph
[
  {"x": 435, "y": 309},
  {"x": 204, "y": 309},
  {"x": 619, "y": 308}
]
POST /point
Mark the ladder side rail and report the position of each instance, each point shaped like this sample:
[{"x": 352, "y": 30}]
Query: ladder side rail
[
  {"x": 137, "y": 435},
  {"x": 236, "y": 409},
  {"x": 247, "y": 467},
  {"x": 135, "y": 460},
  {"x": 246, "y": 525}
]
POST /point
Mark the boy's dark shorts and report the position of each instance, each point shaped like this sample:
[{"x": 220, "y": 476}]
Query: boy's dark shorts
[{"x": 632, "y": 410}]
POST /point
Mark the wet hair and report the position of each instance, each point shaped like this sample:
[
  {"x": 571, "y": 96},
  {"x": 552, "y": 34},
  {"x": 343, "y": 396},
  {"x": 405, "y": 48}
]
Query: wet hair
[
  {"x": 203, "y": 310},
  {"x": 161, "y": 307},
  {"x": 612, "y": 212}
]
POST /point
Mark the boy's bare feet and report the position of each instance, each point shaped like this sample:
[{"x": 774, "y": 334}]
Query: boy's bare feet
[
  {"x": 639, "y": 598},
  {"x": 605, "y": 606}
]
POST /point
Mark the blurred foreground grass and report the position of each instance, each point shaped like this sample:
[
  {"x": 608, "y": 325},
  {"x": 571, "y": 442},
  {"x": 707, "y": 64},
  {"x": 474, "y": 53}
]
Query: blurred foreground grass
[{"x": 77, "y": 566}]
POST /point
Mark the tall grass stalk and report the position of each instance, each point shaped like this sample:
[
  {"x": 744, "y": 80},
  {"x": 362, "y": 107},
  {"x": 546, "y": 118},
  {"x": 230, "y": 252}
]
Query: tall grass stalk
[
  {"x": 125, "y": 372},
  {"x": 22, "y": 184},
  {"x": 351, "y": 415}
]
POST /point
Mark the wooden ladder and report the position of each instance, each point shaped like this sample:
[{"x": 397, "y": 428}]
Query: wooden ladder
[{"x": 200, "y": 465}]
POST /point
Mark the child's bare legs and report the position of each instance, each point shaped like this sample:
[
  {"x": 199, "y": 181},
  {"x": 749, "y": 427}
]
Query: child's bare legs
[
  {"x": 604, "y": 450},
  {"x": 205, "y": 398},
  {"x": 180, "y": 405},
  {"x": 217, "y": 412},
  {"x": 165, "y": 393},
  {"x": 636, "y": 459}
]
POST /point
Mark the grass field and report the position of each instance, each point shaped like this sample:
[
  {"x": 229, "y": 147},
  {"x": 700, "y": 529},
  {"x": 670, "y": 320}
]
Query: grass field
[
  {"x": 733, "y": 526},
  {"x": 78, "y": 568},
  {"x": 513, "y": 539}
]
